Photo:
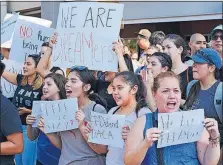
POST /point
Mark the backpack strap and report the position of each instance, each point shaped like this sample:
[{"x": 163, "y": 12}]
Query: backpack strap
[
  {"x": 218, "y": 100},
  {"x": 94, "y": 107},
  {"x": 189, "y": 85}
]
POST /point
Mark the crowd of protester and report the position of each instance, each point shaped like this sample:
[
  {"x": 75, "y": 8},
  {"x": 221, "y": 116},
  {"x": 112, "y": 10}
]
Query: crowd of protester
[{"x": 159, "y": 77}]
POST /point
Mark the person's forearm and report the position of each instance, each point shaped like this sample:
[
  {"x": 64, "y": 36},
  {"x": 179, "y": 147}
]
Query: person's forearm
[
  {"x": 9, "y": 148},
  {"x": 42, "y": 67},
  {"x": 212, "y": 154},
  {"x": 136, "y": 156},
  {"x": 55, "y": 140},
  {"x": 122, "y": 65},
  {"x": 99, "y": 149},
  {"x": 32, "y": 133}
]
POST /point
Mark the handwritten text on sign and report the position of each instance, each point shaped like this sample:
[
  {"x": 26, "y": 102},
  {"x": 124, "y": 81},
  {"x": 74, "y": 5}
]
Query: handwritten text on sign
[
  {"x": 107, "y": 129},
  {"x": 7, "y": 28},
  {"x": 28, "y": 39},
  {"x": 180, "y": 127},
  {"x": 7, "y": 88},
  {"x": 58, "y": 115},
  {"x": 85, "y": 35}
]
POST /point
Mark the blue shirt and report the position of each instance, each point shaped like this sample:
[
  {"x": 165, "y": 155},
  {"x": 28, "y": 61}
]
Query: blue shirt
[
  {"x": 205, "y": 100},
  {"x": 181, "y": 154},
  {"x": 47, "y": 153}
]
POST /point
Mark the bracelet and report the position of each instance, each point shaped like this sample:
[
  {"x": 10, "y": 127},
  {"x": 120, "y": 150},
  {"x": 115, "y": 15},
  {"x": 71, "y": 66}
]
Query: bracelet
[{"x": 214, "y": 139}]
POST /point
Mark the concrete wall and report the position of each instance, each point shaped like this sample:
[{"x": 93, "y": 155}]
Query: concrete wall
[
  {"x": 145, "y": 10},
  {"x": 3, "y": 10}
]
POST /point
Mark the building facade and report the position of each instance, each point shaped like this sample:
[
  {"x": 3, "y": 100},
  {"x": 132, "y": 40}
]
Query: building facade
[{"x": 183, "y": 18}]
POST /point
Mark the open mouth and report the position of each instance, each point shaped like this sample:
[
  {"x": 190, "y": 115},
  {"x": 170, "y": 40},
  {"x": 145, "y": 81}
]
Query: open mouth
[
  {"x": 171, "y": 104},
  {"x": 68, "y": 92}
]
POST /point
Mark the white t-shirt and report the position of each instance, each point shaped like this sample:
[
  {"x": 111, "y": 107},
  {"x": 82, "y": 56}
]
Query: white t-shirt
[{"x": 115, "y": 156}]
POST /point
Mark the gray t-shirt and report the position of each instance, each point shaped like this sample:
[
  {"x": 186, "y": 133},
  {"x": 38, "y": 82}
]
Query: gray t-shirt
[
  {"x": 74, "y": 146},
  {"x": 115, "y": 155}
]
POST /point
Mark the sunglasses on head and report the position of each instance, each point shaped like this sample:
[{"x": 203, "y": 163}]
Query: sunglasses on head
[
  {"x": 215, "y": 37},
  {"x": 80, "y": 68},
  {"x": 141, "y": 37}
]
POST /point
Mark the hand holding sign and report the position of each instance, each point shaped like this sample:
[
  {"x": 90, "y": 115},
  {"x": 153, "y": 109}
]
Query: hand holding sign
[
  {"x": 80, "y": 116},
  {"x": 118, "y": 48},
  {"x": 41, "y": 124},
  {"x": 30, "y": 120},
  {"x": 53, "y": 40},
  {"x": 152, "y": 135},
  {"x": 212, "y": 127},
  {"x": 125, "y": 132}
]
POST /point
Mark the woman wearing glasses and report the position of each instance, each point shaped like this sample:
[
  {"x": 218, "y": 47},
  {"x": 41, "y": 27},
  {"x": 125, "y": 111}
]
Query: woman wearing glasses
[
  {"x": 29, "y": 89},
  {"x": 203, "y": 91},
  {"x": 74, "y": 145}
]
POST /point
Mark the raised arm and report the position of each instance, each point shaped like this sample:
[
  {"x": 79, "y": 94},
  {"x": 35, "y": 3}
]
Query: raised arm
[
  {"x": 118, "y": 48},
  {"x": 42, "y": 67},
  {"x": 10, "y": 77}
]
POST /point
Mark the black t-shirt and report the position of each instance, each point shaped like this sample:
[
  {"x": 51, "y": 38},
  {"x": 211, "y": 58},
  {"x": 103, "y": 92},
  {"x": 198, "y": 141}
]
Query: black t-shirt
[
  {"x": 101, "y": 90},
  {"x": 10, "y": 123},
  {"x": 24, "y": 97},
  {"x": 185, "y": 77}
]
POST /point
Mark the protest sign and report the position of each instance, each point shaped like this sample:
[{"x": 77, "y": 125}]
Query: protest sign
[
  {"x": 7, "y": 88},
  {"x": 34, "y": 20},
  {"x": 28, "y": 39},
  {"x": 180, "y": 127},
  {"x": 107, "y": 129},
  {"x": 37, "y": 111},
  {"x": 7, "y": 28},
  {"x": 58, "y": 115},
  {"x": 9, "y": 23},
  {"x": 86, "y": 32}
]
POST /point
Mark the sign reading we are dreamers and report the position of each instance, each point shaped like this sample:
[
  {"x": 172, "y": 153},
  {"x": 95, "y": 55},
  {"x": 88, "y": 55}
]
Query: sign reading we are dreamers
[{"x": 86, "y": 32}]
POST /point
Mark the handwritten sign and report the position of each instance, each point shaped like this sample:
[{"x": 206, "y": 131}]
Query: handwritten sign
[
  {"x": 180, "y": 127},
  {"x": 58, "y": 115},
  {"x": 34, "y": 20},
  {"x": 28, "y": 39},
  {"x": 9, "y": 24},
  {"x": 7, "y": 28},
  {"x": 107, "y": 129},
  {"x": 37, "y": 112},
  {"x": 7, "y": 88},
  {"x": 85, "y": 35}
]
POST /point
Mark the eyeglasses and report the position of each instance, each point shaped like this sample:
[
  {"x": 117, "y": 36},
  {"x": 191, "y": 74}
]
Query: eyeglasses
[
  {"x": 80, "y": 68},
  {"x": 215, "y": 37},
  {"x": 205, "y": 57}
]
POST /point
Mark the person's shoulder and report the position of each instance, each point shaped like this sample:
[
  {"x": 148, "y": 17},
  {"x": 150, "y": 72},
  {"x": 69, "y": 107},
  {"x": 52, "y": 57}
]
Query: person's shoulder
[
  {"x": 6, "y": 104},
  {"x": 144, "y": 111},
  {"x": 112, "y": 110},
  {"x": 98, "y": 107}
]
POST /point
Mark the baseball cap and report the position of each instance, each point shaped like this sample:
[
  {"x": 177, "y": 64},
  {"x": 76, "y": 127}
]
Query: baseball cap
[
  {"x": 217, "y": 28},
  {"x": 145, "y": 33},
  {"x": 208, "y": 56}
]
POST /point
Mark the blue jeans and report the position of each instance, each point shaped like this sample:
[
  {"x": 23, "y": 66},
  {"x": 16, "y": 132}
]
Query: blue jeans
[{"x": 29, "y": 154}]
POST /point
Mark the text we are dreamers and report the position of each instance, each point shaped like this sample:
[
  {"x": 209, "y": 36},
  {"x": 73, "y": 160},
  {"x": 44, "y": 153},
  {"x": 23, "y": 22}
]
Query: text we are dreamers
[{"x": 85, "y": 35}]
